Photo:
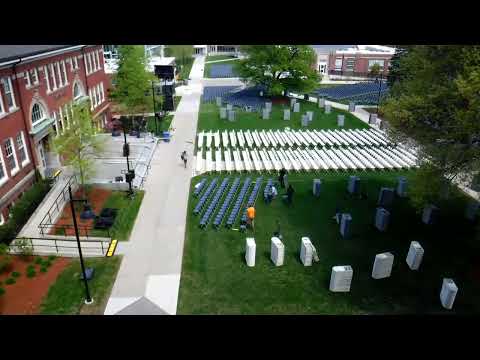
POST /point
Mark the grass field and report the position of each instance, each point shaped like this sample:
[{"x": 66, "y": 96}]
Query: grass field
[
  {"x": 128, "y": 210},
  {"x": 66, "y": 296},
  {"x": 218, "y": 57},
  {"x": 208, "y": 67},
  {"x": 209, "y": 119},
  {"x": 216, "y": 280}
]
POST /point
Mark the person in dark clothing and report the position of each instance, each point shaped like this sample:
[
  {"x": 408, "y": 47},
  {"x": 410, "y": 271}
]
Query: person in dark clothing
[
  {"x": 290, "y": 192},
  {"x": 184, "y": 158},
  {"x": 281, "y": 177}
]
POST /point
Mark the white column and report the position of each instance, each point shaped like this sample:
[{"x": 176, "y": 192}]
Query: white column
[
  {"x": 64, "y": 69},
  {"x": 52, "y": 73},
  {"x": 47, "y": 80}
]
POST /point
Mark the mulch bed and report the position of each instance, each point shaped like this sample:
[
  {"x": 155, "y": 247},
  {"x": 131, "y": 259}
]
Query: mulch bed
[
  {"x": 280, "y": 100},
  {"x": 26, "y": 295},
  {"x": 96, "y": 198}
]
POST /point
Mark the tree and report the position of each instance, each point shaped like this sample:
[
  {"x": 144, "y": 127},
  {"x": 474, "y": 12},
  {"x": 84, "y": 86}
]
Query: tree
[
  {"x": 435, "y": 102},
  {"x": 375, "y": 70},
  {"x": 132, "y": 81},
  {"x": 279, "y": 67},
  {"x": 394, "y": 72},
  {"x": 78, "y": 143},
  {"x": 182, "y": 53}
]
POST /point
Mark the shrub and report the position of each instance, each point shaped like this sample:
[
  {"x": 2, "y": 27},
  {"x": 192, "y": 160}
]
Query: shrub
[
  {"x": 2, "y": 291},
  {"x": 43, "y": 269},
  {"x": 10, "y": 281},
  {"x": 38, "y": 260},
  {"x": 47, "y": 264},
  {"x": 25, "y": 247},
  {"x": 30, "y": 267},
  {"x": 23, "y": 209},
  {"x": 5, "y": 262},
  {"x": 31, "y": 273},
  {"x": 16, "y": 274},
  {"x": 51, "y": 258}
]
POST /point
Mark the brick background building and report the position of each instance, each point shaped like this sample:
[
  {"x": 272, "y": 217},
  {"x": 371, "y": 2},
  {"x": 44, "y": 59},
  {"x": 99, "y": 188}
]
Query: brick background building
[{"x": 38, "y": 86}]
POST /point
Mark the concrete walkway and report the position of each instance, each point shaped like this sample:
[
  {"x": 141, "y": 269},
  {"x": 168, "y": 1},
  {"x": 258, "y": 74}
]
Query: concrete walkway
[{"x": 152, "y": 261}]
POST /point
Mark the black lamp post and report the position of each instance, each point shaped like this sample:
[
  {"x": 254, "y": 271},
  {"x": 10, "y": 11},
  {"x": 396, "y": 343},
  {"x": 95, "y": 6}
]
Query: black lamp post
[
  {"x": 154, "y": 108},
  {"x": 379, "y": 90},
  {"x": 126, "y": 152},
  {"x": 88, "y": 299}
]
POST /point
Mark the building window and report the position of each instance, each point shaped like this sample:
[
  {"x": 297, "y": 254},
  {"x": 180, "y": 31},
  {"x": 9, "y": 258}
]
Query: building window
[
  {"x": 74, "y": 63},
  {"x": 55, "y": 124},
  {"x": 98, "y": 94},
  {"x": 47, "y": 78},
  {"x": 98, "y": 60},
  {"x": 372, "y": 62},
  {"x": 2, "y": 219},
  {"x": 59, "y": 75},
  {"x": 76, "y": 91},
  {"x": 7, "y": 85},
  {"x": 102, "y": 91},
  {"x": 89, "y": 59},
  {"x": 2, "y": 109},
  {"x": 37, "y": 114},
  {"x": 34, "y": 76},
  {"x": 338, "y": 64},
  {"x": 52, "y": 75},
  {"x": 3, "y": 170},
  {"x": 11, "y": 157},
  {"x": 21, "y": 148},
  {"x": 64, "y": 71},
  {"x": 28, "y": 83},
  {"x": 350, "y": 64}
]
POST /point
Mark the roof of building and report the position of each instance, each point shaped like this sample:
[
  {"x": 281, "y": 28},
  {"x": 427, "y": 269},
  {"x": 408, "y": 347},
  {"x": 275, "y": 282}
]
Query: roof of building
[
  {"x": 12, "y": 52},
  {"x": 328, "y": 48},
  {"x": 354, "y": 49}
]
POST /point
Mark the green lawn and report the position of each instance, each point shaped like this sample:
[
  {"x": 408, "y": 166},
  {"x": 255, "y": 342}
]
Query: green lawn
[
  {"x": 209, "y": 119},
  {"x": 208, "y": 67},
  {"x": 163, "y": 125},
  {"x": 186, "y": 68},
  {"x": 216, "y": 280},
  {"x": 66, "y": 296},
  {"x": 218, "y": 57},
  {"x": 128, "y": 210}
]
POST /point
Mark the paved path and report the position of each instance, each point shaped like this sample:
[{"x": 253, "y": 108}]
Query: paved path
[{"x": 152, "y": 261}]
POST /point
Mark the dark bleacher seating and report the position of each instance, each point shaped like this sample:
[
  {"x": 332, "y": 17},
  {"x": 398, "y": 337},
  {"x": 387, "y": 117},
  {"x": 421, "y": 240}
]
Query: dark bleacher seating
[
  {"x": 210, "y": 93},
  {"x": 248, "y": 97},
  {"x": 238, "y": 203},
  {"x": 226, "y": 203},
  {"x": 200, "y": 187},
  {"x": 213, "y": 204},
  {"x": 267, "y": 188},
  {"x": 201, "y": 203},
  {"x": 222, "y": 71},
  {"x": 363, "y": 93}
]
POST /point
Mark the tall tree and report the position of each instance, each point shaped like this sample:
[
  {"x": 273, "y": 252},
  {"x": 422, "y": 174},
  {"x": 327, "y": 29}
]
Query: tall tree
[
  {"x": 78, "y": 144},
  {"x": 394, "y": 71},
  {"x": 132, "y": 80},
  {"x": 435, "y": 102},
  {"x": 182, "y": 53},
  {"x": 279, "y": 67}
]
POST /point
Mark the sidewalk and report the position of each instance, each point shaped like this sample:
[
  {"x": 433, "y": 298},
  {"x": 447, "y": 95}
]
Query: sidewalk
[{"x": 149, "y": 277}]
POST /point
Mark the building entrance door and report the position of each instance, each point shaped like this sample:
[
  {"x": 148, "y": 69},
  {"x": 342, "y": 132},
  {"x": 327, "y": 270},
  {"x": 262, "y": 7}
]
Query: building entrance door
[{"x": 322, "y": 68}]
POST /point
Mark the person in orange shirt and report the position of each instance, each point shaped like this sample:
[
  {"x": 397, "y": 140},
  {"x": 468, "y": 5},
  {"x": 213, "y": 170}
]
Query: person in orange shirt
[{"x": 250, "y": 216}]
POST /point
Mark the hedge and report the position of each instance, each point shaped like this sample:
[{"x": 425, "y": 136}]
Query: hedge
[{"x": 23, "y": 209}]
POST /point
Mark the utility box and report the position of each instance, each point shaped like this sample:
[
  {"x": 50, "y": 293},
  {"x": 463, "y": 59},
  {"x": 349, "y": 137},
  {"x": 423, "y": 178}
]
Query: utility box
[
  {"x": 341, "y": 120},
  {"x": 448, "y": 293},
  {"x": 382, "y": 266},
  {"x": 353, "y": 185},
  {"x": 277, "y": 251},
  {"x": 345, "y": 225},
  {"x": 328, "y": 109},
  {"x": 385, "y": 197},
  {"x": 382, "y": 219},
  {"x": 310, "y": 116},
  {"x": 351, "y": 106},
  {"x": 286, "y": 114},
  {"x": 372, "y": 119},
  {"x": 430, "y": 214},
  {"x": 296, "y": 107},
  {"x": 306, "y": 253},
  {"x": 341, "y": 278},
  {"x": 219, "y": 101},
  {"x": 317, "y": 187},
  {"x": 231, "y": 115},
  {"x": 415, "y": 255},
  {"x": 402, "y": 186},
  {"x": 268, "y": 106},
  {"x": 223, "y": 113},
  {"x": 250, "y": 252},
  {"x": 265, "y": 114},
  {"x": 321, "y": 102}
]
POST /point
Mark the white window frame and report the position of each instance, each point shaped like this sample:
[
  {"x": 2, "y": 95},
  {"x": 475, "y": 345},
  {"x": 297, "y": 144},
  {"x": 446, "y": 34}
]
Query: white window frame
[
  {"x": 28, "y": 82},
  {"x": 89, "y": 59},
  {"x": 3, "y": 179},
  {"x": 52, "y": 75},
  {"x": 98, "y": 59},
  {"x": 85, "y": 62},
  {"x": 16, "y": 169},
  {"x": 79, "y": 91},
  {"x": 7, "y": 82},
  {"x": 75, "y": 62},
  {"x": 47, "y": 78},
  {"x": 371, "y": 62},
  {"x": 34, "y": 75},
  {"x": 2, "y": 108},
  {"x": 94, "y": 61},
  {"x": 59, "y": 73},
  {"x": 2, "y": 219},
  {"x": 24, "y": 147},
  {"x": 43, "y": 113},
  {"x": 64, "y": 70},
  {"x": 102, "y": 91},
  {"x": 338, "y": 68},
  {"x": 91, "y": 99},
  {"x": 99, "y": 99}
]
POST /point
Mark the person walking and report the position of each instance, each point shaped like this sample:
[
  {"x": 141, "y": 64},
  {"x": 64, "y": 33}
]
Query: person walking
[
  {"x": 281, "y": 177},
  {"x": 290, "y": 192},
  {"x": 251, "y": 216},
  {"x": 184, "y": 158}
]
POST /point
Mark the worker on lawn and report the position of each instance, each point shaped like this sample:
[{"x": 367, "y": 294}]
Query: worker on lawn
[
  {"x": 251, "y": 216},
  {"x": 290, "y": 192},
  {"x": 281, "y": 177}
]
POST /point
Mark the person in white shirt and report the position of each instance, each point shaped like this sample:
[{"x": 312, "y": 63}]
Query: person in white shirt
[{"x": 274, "y": 191}]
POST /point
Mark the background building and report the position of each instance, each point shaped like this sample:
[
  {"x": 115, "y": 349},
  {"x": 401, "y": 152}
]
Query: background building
[
  {"x": 233, "y": 50},
  {"x": 38, "y": 86},
  {"x": 351, "y": 61}
]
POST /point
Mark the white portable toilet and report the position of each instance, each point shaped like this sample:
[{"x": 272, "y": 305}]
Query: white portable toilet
[{"x": 250, "y": 252}]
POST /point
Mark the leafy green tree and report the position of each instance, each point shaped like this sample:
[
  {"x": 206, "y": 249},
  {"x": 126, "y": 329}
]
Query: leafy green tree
[
  {"x": 182, "y": 53},
  {"x": 394, "y": 71},
  {"x": 132, "y": 81},
  {"x": 279, "y": 67},
  {"x": 435, "y": 102},
  {"x": 375, "y": 70},
  {"x": 79, "y": 144}
]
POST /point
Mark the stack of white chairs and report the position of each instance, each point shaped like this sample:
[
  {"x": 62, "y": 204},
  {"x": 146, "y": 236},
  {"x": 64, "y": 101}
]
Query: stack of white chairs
[
  {"x": 225, "y": 139},
  {"x": 237, "y": 160},
  {"x": 216, "y": 137},
  {"x": 279, "y": 137},
  {"x": 295, "y": 164},
  {"x": 233, "y": 139},
  {"x": 267, "y": 164},
  {"x": 208, "y": 161},
  {"x": 218, "y": 160},
  {"x": 248, "y": 138},
  {"x": 228, "y": 161},
  {"x": 277, "y": 165},
  {"x": 246, "y": 160},
  {"x": 200, "y": 140},
  {"x": 199, "y": 165},
  {"x": 208, "y": 136},
  {"x": 264, "y": 139},
  {"x": 256, "y": 139},
  {"x": 283, "y": 159},
  {"x": 272, "y": 139},
  {"x": 256, "y": 160},
  {"x": 303, "y": 162},
  {"x": 313, "y": 164},
  {"x": 241, "y": 139}
]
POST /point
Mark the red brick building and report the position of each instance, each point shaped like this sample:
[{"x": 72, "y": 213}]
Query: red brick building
[{"x": 38, "y": 86}]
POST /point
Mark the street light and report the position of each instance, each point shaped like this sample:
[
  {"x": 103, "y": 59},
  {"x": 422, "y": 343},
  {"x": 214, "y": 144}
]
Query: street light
[
  {"x": 130, "y": 175},
  {"x": 379, "y": 90},
  {"x": 88, "y": 299}
]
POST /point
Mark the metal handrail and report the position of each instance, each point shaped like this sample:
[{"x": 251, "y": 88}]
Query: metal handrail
[{"x": 57, "y": 246}]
